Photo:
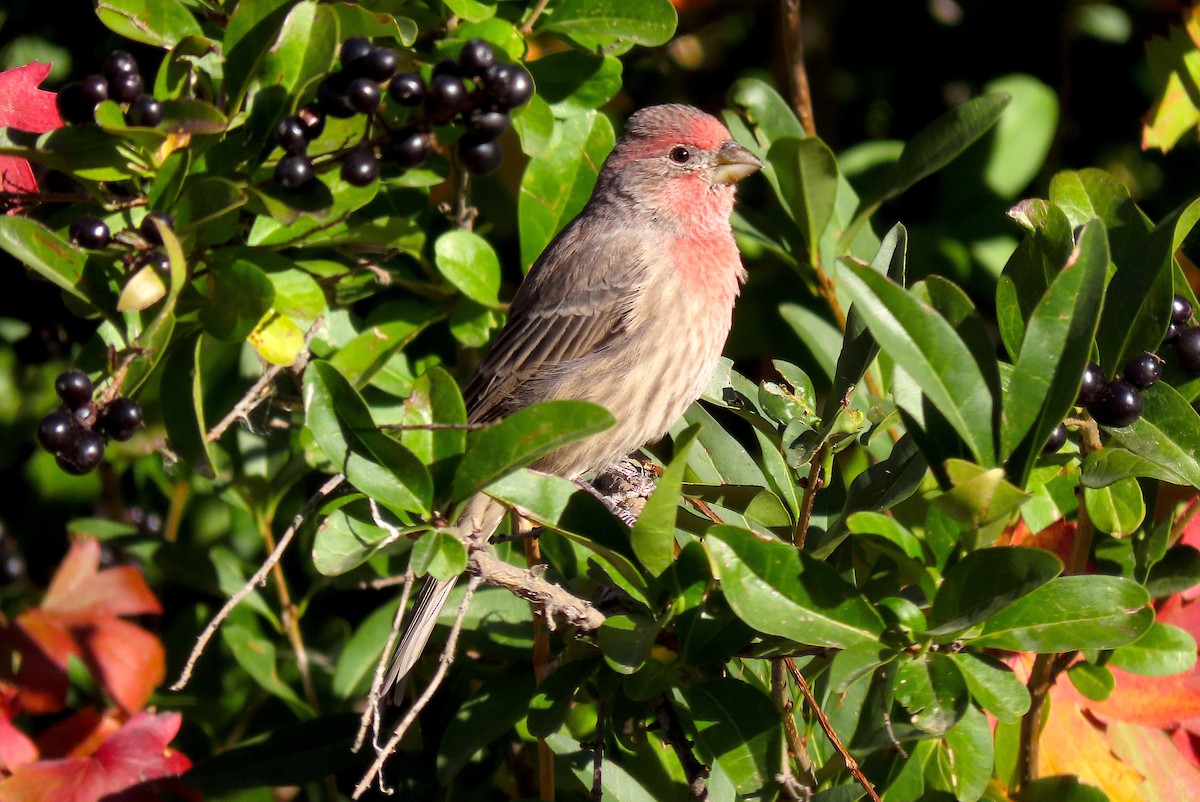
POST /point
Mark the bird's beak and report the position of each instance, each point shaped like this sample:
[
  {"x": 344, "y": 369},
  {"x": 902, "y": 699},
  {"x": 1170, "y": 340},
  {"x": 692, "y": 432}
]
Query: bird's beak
[{"x": 733, "y": 163}]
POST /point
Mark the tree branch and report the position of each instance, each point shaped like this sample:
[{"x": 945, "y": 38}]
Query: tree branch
[
  {"x": 550, "y": 598},
  {"x": 793, "y": 48},
  {"x": 695, "y": 771}
]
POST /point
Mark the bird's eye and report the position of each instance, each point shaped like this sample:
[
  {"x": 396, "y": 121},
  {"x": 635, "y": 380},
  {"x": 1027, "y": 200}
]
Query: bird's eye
[{"x": 680, "y": 155}]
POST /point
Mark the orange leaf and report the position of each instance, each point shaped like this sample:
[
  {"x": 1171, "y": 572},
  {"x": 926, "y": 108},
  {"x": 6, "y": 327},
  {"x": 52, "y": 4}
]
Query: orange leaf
[
  {"x": 132, "y": 758},
  {"x": 1168, "y": 774},
  {"x": 15, "y": 748},
  {"x": 1070, "y": 744},
  {"x": 127, "y": 660},
  {"x": 79, "y": 587}
]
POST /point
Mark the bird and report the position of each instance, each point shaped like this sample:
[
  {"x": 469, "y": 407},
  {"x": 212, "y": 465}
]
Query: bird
[{"x": 629, "y": 307}]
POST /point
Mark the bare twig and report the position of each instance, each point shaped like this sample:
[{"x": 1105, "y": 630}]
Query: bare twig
[
  {"x": 851, "y": 763},
  {"x": 535, "y": 12},
  {"x": 793, "y": 48},
  {"x": 598, "y": 754},
  {"x": 791, "y": 786},
  {"x": 372, "y": 713},
  {"x": 382, "y": 753},
  {"x": 810, "y": 495},
  {"x": 695, "y": 771},
  {"x": 550, "y": 598},
  {"x": 258, "y": 579},
  {"x": 291, "y": 619},
  {"x": 261, "y": 389}
]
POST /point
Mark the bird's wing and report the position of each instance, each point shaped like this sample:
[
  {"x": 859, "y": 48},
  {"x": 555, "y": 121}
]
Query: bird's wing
[{"x": 578, "y": 296}]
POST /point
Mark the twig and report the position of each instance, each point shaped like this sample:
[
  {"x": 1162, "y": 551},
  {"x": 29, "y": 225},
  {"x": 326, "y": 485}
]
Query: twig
[
  {"x": 695, "y": 771},
  {"x": 259, "y": 577},
  {"x": 39, "y": 198},
  {"x": 598, "y": 754},
  {"x": 793, "y": 48},
  {"x": 1184, "y": 521},
  {"x": 382, "y": 753},
  {"x": 796, "y": 749},
  {"x": 291, "y": 620},
  {"x": 810, "y": 495},
  {"x": 535, "y": 12},
  {"x": 823, "y": 720},
  {"x": 372, "y": 713},
  {"x": 261, "y": 389},
  {"x": 541, "y": 662},
  {"x": 550, "y": 598}
]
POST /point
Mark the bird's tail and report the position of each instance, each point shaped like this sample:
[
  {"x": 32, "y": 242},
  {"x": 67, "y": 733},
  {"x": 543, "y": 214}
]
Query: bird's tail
[{"x": 478, "y": 521}]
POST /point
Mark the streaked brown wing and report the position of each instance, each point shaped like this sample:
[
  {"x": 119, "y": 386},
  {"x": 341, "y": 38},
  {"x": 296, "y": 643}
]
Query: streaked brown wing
[{"x": 574, "y": 300}]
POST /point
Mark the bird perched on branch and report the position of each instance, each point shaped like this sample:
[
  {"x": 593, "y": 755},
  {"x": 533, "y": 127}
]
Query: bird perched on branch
[{"x": 629, "y": 307}]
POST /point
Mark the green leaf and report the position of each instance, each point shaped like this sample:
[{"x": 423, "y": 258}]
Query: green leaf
[
  {"x": 483, "y": 719},
  {"x": 435, "y": 400},
  {"x": 354, "y": 20},
  {"x": 1164, "y": 650},
  {"x": 933, "y": 691},
  {"x": 653, "y": 534},
  {"x": 440, "y": 555},
  {"x": 472, "y": 10},
  {"x": 965, "y": 758},
  {"x": 468, "y": 262},
  {"x": 1093, "y": 681},
  {"x": 1167, "y": 433},
  {"x": 559, "y": 180},
  {"x": 1064, "y": 788},
  {"x": 737, "y": 727},
  {"x": 781, "y": 591},
  {"x": 161, "y": 23},
  {"x": 993, "y": 685},
  {"x": 182, "y": 394},
  {"x": 807, "y": 176},
  {"x": 44, "y": 252},
  {"x": 604, "y": 22},
  {"x": 1055, "y": 350},
  {"x": 978, "y": 496},
  {"x": 241, "y": 294},
  {"x": 986, "y": 581},
  {"x": 348, "y": 537},
  {"x": 522, "y": 438},
  {"x": 351, "y": 675},
  {"x": 256, "y": 655},
  {"x": 304, "y": 48},
  {"x": 765, "y": 109},
  {"x": 931, "y": 149},
  {"x": 1112, "y": 464},
  {"x": 1023, "y": 135},
  {"x": 1177, "y": 571},
  {"x": 920, "y": 340},
  {"x": 1117, "y": 508},
  {"x": 251, "y": 29},
  {"x": 1071, "y": 612},
  {"x": 626, "y": 641},
  {"x": 391, "y": 328},
  {"x": 573, "y": 82}
]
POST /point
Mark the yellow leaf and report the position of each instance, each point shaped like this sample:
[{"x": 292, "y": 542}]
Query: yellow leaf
[{"x": 277, "y": 339}]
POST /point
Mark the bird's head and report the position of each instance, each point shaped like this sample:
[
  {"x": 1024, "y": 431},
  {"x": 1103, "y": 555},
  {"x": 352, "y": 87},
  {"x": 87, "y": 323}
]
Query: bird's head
[{"x": 677, "y": 156}]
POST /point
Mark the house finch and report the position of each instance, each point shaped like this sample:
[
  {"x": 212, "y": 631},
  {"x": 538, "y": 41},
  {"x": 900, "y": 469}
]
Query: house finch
[{"x": 628, "y": 307}]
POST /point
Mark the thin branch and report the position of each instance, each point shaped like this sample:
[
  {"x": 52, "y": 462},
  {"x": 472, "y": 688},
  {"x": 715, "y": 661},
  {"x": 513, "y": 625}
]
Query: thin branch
[
  {"x": 372, "y": 713},
  {"x": 1189, "y": 515},
  {"x": 793, "y": 48},
  {"x": 810, "y": 495},
  {"x": 261, "y": 389},
  {"x": 258, "y": 579},
  {"x": 527, "y": 26},
  {"x": 695, "y": 771},
  {"x": 598, "y": 754},
  {"x": 382, "y": 753},
  {"x": 291, "y": 619},
  {"x": 1031, "y": 723},
  {"x": 823, "y": 720},
  {"x": 550, "y": 598},
  {"x": 783, "y": 704}
]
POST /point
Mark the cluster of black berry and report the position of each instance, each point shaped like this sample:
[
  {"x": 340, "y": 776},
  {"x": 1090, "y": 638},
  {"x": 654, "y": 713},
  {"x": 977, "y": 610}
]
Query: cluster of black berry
[
  {"x": 475, "y": 90},
  {"x": 93, "y": 233},
  {"x": 120, "y": 80},
  {"x": 76, "y": 432}
]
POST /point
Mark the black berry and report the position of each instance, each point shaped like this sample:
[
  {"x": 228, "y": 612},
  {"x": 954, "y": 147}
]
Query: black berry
[
  {"x": 1173, "y": 332},
  {"x": 479, "y": 156},
  {"x": 290, "y": 134},
  {"x": 1181, "y": 310},
  {"x": 313, "y": 121},
  {"x": 380, "y": 64},
  {"x": 118, "y": 65},
  {"x": 364, "y": 95},
  {"x": 407, "y": 89},
  {"x": 84, "y": 455},
  {"x": 475, "y": 57},
  {"x": 1091, "y": 387},
  {"x": 74, "y": 388},
  {"x": 1058, "y": 438},
  {"x": 1120, "y": 405},
  {"x": 508, "y": 84},
  {"x": 72, "y": 106},
  {"x": 120, "y": 419},
  {"x": 1187, "y": 349},
  {"x": 90, "y": 232},
  {"x": 160, "y": 262},
  {"x": 446, "y": 97},
  {"x": 57, "y": 431},
  {"x": 94, "y": 88},
  {"x": 125, "y": 88},
  {"x": 487, "y": 124},
  {"x": 149, "y": 230},
  {"x": 446, "y": 67},
  {"x": 332, "y": 97},
  {"x": 354, "y": 49},
  {"x": 293, "y": 172},
  {"x": 408, "y": 147},
  {"x": 360, "y": 168},
  {"x": 144, "y": 112},
  {"x": 1142, "y": 371}
]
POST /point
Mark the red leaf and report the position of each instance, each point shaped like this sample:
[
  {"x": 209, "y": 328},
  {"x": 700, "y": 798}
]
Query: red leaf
[
  {"x": 79, "y": 617},
  {"x": 79, "y": 734},
  {"x": 15, "y": 748},
  {"x": 22, "y": 105},
  {"x": 121, "y": 770},
  {"x": 16, "y": 176},
  {"x": 1168, "y": 774}
]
